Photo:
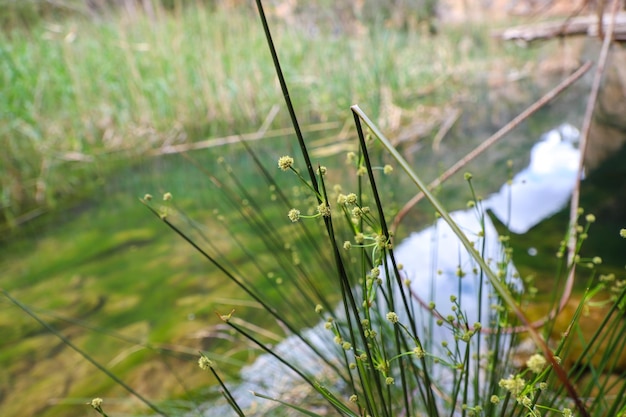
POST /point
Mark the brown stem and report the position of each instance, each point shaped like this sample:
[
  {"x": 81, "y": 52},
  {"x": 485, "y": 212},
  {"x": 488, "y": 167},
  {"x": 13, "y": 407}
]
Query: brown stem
[
  {"x": 584, "y": 141},
  {"x": 491, "y": 140}
]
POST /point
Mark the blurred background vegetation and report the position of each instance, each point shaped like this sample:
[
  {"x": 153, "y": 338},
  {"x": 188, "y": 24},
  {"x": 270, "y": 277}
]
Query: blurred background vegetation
[{"x": 88, "y": 83}]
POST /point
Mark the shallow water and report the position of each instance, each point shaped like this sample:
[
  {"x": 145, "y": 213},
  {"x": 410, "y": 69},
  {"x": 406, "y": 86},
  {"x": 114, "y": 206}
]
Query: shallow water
[{"x": 432, "y": 257}]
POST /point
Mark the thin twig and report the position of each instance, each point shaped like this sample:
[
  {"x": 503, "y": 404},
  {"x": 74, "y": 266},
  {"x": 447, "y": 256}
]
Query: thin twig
[
  {"x": 584, "y": 141},
  {"x": 232, "y": 139},
  {"x": 491, "y": 140},
  {"x": 501, "y": 289},
  {"x": 445, "y": 127}
]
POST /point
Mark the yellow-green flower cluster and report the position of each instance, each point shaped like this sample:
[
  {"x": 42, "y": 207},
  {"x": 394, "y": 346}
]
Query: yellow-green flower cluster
[
  {"x": 294, "y": 215},
  {"x": 285, "y": 162},
  {"x": 392, "y": 317},
  {"x": 345, "y": 200},
  {"x": 514, "y": 384},
  {"x": 96, "y": 403},
  {"x": 205, "y": 363},
  {"x": 323, "y": 209},
  {"x": 419, "y": 352},
  {"x": 536, "y": 363}
]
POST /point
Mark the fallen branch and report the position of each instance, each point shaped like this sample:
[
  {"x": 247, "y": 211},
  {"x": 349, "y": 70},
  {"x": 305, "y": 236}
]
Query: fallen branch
[
  {"x": 227, "y": 140},
  {"x": 584, "y": 141},
  {"x": 581, "y": 25},
  {"x": 491, "y": 140}
]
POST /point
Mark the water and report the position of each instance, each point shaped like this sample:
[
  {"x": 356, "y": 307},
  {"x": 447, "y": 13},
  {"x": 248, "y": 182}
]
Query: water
[
  {"x": 544, "y": 187},
  {"x": 432, "y": 257}
]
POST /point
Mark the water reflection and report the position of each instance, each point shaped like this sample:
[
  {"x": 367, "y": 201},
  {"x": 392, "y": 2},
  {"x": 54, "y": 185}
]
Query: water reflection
[
  {"x": 432, "y": 257},
  {"x": 544, "y": 187}
]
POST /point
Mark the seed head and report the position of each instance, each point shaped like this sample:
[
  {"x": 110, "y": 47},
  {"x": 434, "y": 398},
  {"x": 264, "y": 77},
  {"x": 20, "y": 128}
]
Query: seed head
[
  {"x": 514, "y": 384},
  {"x": 536, "y": 363},
  {"x": 392, "y": 317},
  {"x": 419, "y": 352},
  {"x": 96, "y": 403},
  {"x": 294, "y": 215},
  {"x": 525, "y": 401},
  {"x": 285, "y": 162},
  {"x": 324, "y": 209},
  {"x": 205, "y": 363}
]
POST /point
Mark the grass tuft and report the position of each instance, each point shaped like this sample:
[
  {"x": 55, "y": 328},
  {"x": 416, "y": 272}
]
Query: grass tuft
[{"x": 316, "y": 261}]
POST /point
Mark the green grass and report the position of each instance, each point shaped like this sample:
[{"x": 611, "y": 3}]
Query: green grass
[
  {"x": 105, "y": 262},
  {"x": 87, "y": 94}
]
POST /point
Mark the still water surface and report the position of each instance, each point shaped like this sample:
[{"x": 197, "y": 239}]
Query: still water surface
[{"x": 431, "y": 258}]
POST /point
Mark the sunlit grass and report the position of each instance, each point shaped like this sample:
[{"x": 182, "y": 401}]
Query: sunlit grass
[
  {"x": 177, "y": 86},
  {"x": 84, "y": 94}
]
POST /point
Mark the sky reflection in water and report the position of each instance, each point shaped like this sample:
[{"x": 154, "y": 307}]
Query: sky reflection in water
[{"x": 432, "y": 256}]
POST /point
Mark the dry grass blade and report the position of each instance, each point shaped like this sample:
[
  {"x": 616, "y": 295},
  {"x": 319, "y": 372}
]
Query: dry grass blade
[{"x": 231, "y": 139}]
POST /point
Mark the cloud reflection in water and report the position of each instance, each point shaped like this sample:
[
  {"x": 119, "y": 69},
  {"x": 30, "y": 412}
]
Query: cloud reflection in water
[{"x": 432, "y": 256}]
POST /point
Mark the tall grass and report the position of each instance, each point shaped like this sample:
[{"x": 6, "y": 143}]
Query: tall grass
[
  {"x": 86, "y": 93},
  {"x": 382, "y": 360},
  {"x": 378, "y": 354}
]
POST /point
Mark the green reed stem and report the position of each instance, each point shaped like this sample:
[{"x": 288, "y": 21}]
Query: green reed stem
[
  {"x": 285, "y": 91},
  {"x": 227, "y": 395},
  {"x": 271, "y": 352},
  {"x": 498, "y": 286},
  {"x": 272, "y": 311}
]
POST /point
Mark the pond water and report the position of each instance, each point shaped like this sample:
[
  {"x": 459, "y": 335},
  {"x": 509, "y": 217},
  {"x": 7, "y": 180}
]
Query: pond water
[
  {"x": 98, "y": 261},
  {"x": 431, "y": 258}
]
